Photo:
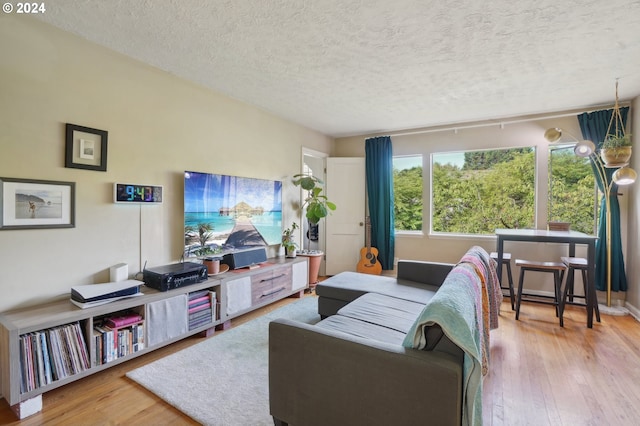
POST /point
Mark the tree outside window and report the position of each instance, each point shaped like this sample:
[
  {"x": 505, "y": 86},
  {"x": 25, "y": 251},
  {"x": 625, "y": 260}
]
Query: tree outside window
[
  {"x": 407, "y": 190},
  {"x": 475, "y": 192},
  {"x": 572, "y": 196}
]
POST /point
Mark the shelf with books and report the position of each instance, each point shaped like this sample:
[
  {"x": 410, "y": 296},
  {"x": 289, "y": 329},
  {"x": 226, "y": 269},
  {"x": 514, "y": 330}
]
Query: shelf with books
[
  {"x": 117, "y": 335},
  {"x": 52, "y": 354},
  {"x": 202, "y": 308},
  {"x": 52, "y": 344}
]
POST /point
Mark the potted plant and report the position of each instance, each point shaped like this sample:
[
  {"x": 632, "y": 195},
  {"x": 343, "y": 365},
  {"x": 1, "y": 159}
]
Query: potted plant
[
  {"x": 316, "y": 203},
  {"x": 616, "y": 149},
  {"x": 317, "y": 206},
  {"x": 290, "y": 246},
  {"x": 212, "y": 260}
]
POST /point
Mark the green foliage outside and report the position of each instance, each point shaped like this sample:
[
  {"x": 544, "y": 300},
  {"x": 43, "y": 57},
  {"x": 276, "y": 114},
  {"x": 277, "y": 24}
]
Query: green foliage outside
[
  {"x": 492, "y": 190},
  {"x": 407, "y": 189},
  {"x": 571, "y": 190},
  {"x": 495, "y": 189},
  {"x": 484, "y": 160}
]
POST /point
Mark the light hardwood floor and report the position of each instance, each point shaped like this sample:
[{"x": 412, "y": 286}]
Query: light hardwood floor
[
  {"x": 544, "y": 374},
  {"x": 540, "y": 374}
]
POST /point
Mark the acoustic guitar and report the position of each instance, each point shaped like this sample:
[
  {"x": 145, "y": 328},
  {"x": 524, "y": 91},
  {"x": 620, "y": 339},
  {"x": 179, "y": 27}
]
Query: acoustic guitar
[{"x": 369, "y": 263}]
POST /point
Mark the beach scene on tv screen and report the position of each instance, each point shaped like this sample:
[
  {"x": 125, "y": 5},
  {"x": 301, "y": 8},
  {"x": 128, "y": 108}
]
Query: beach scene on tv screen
[{"x": 223, "y": 213}]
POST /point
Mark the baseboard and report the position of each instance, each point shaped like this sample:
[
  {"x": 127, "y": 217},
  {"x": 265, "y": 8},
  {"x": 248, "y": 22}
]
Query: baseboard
[{"x": 633, "y": 310}]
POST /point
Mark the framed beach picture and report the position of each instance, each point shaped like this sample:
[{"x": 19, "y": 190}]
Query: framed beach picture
[
  {"x": 30, "y": 204},
  {"x": 86, "y": 148}
]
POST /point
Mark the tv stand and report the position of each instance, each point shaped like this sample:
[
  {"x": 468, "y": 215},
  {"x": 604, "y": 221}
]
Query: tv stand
[{"x": 71, "y": 334}]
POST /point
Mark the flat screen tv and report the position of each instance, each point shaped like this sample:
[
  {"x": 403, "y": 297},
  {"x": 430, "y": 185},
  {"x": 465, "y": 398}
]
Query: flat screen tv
[{"x": 224, "y": 213}]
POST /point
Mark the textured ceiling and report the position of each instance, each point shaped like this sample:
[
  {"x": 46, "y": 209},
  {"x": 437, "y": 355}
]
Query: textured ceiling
[{"x": 346, "y": 67}]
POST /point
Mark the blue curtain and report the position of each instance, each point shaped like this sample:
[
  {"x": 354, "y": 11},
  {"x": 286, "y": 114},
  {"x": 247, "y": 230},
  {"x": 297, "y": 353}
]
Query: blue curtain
[
  {"x": 379, "y": 171},
  {"x": 594, "y": 127}
]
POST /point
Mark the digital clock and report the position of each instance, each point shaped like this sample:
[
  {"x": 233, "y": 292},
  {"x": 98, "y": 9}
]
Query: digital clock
[{"x": 133, "y": 193}]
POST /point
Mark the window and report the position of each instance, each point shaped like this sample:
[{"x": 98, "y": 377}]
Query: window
[
  {"x": 475, "y": 192},
  {"x": 407, "y": 191},
  {"x": 572, "y": 196}
]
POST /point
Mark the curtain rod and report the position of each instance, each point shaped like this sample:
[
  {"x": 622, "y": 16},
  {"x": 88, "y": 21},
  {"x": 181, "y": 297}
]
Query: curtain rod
[{"x": 501, "y": 123}]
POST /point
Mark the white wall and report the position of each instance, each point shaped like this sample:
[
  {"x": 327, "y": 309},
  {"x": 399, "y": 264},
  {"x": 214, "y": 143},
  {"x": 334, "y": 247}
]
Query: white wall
[
  {"x": 632, "y": 258},
  {"x": 158, "y": 127}
]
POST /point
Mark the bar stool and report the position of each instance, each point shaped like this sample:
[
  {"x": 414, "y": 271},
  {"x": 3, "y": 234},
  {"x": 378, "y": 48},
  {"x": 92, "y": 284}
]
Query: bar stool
[
  {"x": 556, "y": 268},
  {"x": 577, "y": 264},
  {"x": 506, "y": 261}
]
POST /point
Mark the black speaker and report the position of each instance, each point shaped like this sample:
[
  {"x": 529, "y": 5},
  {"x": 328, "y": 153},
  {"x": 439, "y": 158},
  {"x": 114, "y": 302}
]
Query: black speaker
[{"x": 244, "y": 258}]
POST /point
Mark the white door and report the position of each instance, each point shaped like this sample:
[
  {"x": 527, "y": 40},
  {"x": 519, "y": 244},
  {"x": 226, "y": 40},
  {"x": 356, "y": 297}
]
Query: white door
[{"x": 345, "y": 187}]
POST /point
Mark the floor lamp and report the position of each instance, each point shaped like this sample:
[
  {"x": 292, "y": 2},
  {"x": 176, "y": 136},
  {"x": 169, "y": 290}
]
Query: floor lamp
[{"x": 623, "y": 176}]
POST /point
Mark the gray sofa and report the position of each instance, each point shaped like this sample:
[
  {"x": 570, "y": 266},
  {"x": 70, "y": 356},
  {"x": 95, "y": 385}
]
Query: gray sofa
[{"x": 352, "y": 369}]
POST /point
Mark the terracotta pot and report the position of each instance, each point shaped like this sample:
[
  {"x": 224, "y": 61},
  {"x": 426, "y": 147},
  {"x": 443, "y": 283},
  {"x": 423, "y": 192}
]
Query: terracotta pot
[
  {"x": 213, "y": 266},
  {"x": 314, "y": 268},
  {"x": 315, "y": 258},
  {"x": 616, "y": 156}
]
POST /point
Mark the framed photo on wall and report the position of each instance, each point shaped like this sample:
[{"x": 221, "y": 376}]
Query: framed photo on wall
[
  {"x": 31, "y": 204},
  {"x": 86, "y": 148}
]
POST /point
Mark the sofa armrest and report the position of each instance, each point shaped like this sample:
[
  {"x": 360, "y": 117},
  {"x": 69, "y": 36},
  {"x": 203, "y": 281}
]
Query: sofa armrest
[
  {"x": 325, "y": 377},
  {"x": 432, "y": 273}
]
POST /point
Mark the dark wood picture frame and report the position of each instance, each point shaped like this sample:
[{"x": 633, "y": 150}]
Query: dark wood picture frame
[
  {"x": 32, "y": 204},
  {"x": 86, "y": 148}
]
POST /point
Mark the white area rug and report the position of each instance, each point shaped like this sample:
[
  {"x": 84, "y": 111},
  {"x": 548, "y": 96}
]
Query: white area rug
[{"x": 223, "y": 380}]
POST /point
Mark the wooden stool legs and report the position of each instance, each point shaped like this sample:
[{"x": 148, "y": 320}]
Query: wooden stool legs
[
  {"x": 510, "y": 279},
  {"x": 573, "y": 264},
  {"x": 506, "y": 261},
  {"x": 557, "y": 269}
]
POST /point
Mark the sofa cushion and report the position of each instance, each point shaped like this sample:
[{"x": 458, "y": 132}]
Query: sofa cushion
[
  {"x": 349, "y": 286},
  {"x": 423, "y": 272},
  {"x": 363, "y": 329},
  {"x": 386, "y": 311}
]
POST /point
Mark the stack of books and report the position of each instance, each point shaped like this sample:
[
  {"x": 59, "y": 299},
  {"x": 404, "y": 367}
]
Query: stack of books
[
  {"x": 117, "y": 336},
  {"x": 52, "y": 354},
  {"x": 202, "y": 308}
]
